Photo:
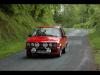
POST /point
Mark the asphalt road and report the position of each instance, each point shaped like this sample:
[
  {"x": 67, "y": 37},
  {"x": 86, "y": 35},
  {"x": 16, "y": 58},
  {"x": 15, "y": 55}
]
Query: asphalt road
[{"x": 79, "y": 57}]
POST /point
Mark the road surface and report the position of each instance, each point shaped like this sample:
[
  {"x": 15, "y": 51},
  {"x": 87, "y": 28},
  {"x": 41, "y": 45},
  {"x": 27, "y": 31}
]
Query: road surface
[{"x": 79, "y": 57}]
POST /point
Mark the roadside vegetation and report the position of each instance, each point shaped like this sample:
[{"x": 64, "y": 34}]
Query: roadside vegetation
[
  {"x": 94, "y": 39},
  {"x": 85, "y": 16},
  {"x": 18, "y": 20}
]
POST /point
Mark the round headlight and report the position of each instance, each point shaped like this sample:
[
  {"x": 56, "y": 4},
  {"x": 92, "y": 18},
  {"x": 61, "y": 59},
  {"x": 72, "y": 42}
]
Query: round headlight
[
  {"x": 50, "y": 44},
  {"x": 28, "y": 44},
  {"x": 45, "y": 44},
  {"x": 32, "y": 44},
  {"x": 36, "y": 44},
  {"x": 33, "y": 50},
  {"x": 48, "y": 50}
]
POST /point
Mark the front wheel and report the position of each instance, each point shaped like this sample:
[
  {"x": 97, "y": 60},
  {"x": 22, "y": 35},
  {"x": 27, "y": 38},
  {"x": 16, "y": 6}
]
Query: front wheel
[
  {"x": 28, "y": 54},
  {"x": 66, "y": 49},
  {"x": 63, "y": 51},
  {"x": 60, "y": 53}
]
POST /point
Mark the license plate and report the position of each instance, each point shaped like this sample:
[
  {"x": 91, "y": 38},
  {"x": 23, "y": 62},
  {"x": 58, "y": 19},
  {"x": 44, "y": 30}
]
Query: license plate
[{"x": 41, "y": 52}]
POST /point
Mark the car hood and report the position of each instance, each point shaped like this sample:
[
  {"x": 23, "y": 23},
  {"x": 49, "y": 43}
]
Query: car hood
[{"x": 43, "y": 39}]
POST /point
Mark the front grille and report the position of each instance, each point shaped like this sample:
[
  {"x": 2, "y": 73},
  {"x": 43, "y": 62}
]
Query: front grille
[
  {"x": 41, "y": 44},
  {"x": 41, "y": 48},
  {"x": 53, "y": 48}
]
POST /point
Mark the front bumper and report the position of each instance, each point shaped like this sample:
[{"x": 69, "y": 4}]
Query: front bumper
[{"x": 54, "y": 51}]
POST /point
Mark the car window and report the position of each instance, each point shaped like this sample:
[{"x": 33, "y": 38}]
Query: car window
[{"x": 47, "y": 32}]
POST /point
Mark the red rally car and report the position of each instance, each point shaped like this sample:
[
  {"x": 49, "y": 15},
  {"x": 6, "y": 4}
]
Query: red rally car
[{"x": 49, "y": 40}]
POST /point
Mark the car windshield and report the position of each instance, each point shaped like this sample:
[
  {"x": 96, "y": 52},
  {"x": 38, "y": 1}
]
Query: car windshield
[{"x": 47, "y": 32}]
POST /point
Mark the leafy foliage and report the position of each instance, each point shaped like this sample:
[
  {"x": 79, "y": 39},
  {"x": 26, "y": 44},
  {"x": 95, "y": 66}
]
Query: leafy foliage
[{"x": 18, "y": 20}]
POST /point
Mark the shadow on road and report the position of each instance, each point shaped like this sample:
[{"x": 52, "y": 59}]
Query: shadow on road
[{"x": 41, "y": 57}]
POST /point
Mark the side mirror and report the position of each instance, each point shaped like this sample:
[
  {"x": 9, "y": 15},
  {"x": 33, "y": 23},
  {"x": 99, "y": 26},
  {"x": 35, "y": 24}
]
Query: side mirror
[{"x": 29, "y": 35}]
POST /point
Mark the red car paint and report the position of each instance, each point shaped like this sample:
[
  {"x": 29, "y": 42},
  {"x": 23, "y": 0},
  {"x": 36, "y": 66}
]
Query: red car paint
[{"x": 61, "y": 41}]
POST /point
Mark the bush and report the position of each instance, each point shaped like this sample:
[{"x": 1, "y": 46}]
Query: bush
[
  {"x": 77, "y": 26},
  {"x": 8, "y": 9}
]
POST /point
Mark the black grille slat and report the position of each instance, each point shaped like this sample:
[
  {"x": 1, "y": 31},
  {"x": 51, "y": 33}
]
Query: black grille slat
[{"x": 41, "y": 47}]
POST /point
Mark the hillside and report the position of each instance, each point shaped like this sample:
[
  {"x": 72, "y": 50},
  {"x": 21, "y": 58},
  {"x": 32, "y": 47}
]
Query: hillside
[{"x": 17, "y": 21}]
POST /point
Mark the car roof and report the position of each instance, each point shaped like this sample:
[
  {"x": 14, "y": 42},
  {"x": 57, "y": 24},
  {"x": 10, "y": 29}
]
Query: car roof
[{"x": 48, "y": 26}]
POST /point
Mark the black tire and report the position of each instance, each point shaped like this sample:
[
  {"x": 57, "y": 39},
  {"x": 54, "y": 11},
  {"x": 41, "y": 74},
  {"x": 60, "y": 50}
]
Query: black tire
[
  {"x": 63, "y": 51},
  {"x": 28, "y": 54},
  {"x": 59, "y": 55}
]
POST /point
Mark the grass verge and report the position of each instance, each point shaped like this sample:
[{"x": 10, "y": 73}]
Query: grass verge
[
  {"x": 94, "y": 39},
  {"x": 11, "y": 48}
]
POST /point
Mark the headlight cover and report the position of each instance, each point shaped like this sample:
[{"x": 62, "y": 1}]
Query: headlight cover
[
  {"x": 32, "y": 44},
  {"x": 27, "y": 44},
  {"x": 45, "y": 44},
  {"x": 50, "y": 44},
  {"x": 36, "y": 44},
  {"x": 33, "y": 50}
]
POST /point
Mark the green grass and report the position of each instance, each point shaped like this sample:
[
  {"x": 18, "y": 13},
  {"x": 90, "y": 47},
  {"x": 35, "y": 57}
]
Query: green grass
[
  {"x": 13, "y": 31},
  {"x": 11, "y": 48},
  {"x": 94, "y": 39},
  {"x": 66, "y": 30}
]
